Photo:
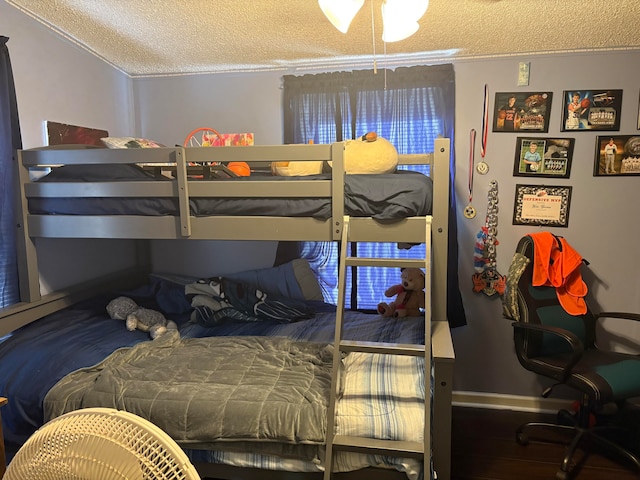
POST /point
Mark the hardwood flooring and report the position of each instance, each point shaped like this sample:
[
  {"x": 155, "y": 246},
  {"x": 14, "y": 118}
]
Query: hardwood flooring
[{"x": 484, "y": 448}]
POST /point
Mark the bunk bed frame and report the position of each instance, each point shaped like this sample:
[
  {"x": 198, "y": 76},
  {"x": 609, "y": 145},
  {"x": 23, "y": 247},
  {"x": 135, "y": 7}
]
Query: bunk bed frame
[{"x": 431, "y": 230}]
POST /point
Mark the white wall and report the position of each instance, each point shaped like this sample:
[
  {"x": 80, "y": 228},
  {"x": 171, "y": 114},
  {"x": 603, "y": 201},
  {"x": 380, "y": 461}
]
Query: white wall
[
  {"x": 603, "y": 221},
  {"x": 169, "y": 108},
  {"x": 57, "y": 81}
]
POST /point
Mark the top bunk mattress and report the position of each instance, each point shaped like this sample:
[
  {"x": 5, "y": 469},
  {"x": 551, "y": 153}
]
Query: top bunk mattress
[{"x": 384, "y": 197}]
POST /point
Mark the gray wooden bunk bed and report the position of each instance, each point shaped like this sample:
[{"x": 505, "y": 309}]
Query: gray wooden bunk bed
[{"x": 183, "y": 192}]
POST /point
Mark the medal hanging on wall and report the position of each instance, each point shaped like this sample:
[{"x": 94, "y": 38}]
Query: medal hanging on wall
[
  {"x": 486, "y": 278},
  {"x": 483, "y": 167},
  {"x": 469, "y": 211}
]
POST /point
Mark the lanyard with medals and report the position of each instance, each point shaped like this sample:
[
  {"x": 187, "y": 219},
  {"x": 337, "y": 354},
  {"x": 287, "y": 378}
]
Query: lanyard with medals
[
  {"x": 483, "y": 167},
  {"x": 469, "y": 211}
]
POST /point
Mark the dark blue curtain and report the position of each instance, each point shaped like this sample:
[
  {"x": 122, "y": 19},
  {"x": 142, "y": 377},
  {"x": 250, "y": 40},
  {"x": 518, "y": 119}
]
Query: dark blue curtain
[
  {"x": 10, "y": 141},
  {"x": 410, "y": 107}
]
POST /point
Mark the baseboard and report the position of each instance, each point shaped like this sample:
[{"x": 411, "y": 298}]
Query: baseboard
[{"x": 509, "y": 402}]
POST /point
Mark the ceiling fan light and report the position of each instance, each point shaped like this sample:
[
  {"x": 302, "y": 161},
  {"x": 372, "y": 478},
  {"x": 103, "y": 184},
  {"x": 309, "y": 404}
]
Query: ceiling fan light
[
  {"x": 406, "y": 9},
  {"x": 396, "y": 31},
  {"x": 340, "y": 12},
  {"x": 400, "y": 18}
]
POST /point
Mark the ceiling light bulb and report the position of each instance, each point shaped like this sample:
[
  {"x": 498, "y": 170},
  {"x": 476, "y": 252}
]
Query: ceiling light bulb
[
  {"x": 340, "y": 12},
  {"x": 400, "y": 18},
  {"x": 394, "y": 32}
]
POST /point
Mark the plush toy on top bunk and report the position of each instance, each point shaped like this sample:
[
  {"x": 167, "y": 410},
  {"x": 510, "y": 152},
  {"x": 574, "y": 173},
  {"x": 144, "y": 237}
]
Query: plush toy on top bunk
[
  {"x": 136, "y": 317},
  {"x": 409, "y": 295},
  {"x": 368, "y": 154}
]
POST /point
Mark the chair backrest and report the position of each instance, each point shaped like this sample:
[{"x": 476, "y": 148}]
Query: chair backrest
[{"x": 540, "y": 305}]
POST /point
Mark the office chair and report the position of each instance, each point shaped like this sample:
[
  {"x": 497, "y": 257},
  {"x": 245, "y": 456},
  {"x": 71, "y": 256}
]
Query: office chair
[{"x": 553, "y": 343}]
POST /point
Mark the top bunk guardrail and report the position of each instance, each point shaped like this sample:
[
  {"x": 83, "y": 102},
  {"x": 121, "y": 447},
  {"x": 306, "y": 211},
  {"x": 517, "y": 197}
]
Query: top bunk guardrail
[{"x": 183, "y": 190}]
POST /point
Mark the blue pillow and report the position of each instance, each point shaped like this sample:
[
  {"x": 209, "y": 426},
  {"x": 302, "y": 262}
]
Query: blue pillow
[{"x": 294, "y": 280}]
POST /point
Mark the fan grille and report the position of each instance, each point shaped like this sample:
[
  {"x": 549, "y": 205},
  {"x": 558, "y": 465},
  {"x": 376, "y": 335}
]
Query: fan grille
[{"x": 97, "y": 444}]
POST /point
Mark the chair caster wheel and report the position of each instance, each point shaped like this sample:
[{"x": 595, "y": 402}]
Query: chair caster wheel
[
  {"x": 562, "y": 475},
  {"x": 522, "y": 438}
]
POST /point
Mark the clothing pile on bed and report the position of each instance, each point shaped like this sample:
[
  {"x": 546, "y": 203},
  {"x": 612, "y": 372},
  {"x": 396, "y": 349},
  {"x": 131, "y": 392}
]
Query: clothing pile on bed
[{"x": 219, "y": 299}]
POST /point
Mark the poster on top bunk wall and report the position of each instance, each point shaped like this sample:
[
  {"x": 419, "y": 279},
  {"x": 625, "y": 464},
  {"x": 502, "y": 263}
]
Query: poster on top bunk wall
[
  {"x": 66, "y": 134},
  {"x": 232, "y": 139}
]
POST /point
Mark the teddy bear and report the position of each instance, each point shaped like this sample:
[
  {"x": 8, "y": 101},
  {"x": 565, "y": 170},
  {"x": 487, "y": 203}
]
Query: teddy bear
[
  {"x": 409, "y": 295},
  {"x": 144, "y": 319}
]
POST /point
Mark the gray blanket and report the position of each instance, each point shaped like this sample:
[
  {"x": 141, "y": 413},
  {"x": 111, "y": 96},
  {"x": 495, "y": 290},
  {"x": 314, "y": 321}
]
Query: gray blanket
[{"x": 208, "y": 392}]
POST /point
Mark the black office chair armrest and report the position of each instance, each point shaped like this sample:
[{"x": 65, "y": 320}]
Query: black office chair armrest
[
  {"x": 618, "y": 315},
  {"x": 625, "y": 315},
  {"x": 574, "y": 342}
]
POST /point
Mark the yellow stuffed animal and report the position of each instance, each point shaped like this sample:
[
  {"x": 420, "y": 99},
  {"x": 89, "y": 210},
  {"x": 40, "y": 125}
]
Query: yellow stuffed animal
[
  {"x": 370, "y": 154},
  {"x": 409, "y": 295},
  {"x": 367, "y": 154}
]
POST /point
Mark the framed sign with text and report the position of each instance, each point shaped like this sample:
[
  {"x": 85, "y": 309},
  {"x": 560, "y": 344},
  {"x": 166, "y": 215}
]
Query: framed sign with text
[{"x": 542, "y": 205}]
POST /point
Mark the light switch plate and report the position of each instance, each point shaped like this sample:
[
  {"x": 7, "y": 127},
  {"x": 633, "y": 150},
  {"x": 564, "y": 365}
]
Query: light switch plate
[{"x": 523, "y": 74}]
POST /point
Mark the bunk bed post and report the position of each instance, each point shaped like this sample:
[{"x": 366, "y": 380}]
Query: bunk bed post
[
  {"x": 443, "y": 352},
  {"x": 183, "y": 191},
  {"x": 440, "y": 230},
  {"x": 28, "y": 275},
  {"x": 337, "y": 188}
]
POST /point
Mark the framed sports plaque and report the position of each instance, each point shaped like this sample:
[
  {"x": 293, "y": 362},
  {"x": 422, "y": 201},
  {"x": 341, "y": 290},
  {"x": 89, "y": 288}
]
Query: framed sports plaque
[
  {"x": 617, "y": 155},
  {"x": 543, "y": 157},
  {"x": 584, "y": 110},
  {"x": 522, "y": 112}
]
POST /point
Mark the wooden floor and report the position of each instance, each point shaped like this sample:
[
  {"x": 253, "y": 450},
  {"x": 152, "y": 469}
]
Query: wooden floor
[{"x": 484, "y": 448}]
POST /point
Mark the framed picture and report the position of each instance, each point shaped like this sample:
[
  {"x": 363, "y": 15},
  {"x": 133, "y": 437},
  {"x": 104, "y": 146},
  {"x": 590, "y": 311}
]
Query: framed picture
[
  {"x": 542, "y": 205},
  {"x": 65, "y": 134},
  {"x": 522, "y": 112},
  {"x": 617, "y": 155},
  {"x": 591, "y": 110},
  {"x": 543, "y": 157}
]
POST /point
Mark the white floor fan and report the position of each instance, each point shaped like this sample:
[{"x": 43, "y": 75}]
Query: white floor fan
[{"x": 100, "y": 444}]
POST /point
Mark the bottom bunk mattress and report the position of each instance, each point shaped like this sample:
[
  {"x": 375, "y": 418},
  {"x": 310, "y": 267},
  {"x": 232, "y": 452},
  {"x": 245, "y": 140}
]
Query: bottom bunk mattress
[{"x": 383, "y": 396}]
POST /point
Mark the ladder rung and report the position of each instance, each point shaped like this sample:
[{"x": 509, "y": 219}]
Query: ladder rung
[
  {"x": 380, "y": 447},
  {"x": 381, "y": 347},
  {"x": 385, "y": 262}
]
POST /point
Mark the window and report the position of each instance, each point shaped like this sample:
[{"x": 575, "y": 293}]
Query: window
[{"x": 410, "y": 107}]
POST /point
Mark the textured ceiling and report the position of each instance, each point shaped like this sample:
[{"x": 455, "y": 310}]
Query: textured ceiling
[{"x": 162, "y": 37}]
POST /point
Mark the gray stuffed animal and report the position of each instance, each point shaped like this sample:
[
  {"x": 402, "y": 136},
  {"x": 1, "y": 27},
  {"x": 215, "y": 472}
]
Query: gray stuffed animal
[{"x": 136, "y": 317}]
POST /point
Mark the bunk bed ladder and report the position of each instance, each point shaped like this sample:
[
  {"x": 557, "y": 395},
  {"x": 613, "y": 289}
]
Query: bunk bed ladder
[{"x": 394, "y": 448}]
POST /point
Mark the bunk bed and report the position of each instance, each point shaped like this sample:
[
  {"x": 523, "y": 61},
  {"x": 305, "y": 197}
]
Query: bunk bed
[{"x": 327, "y": 207}]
